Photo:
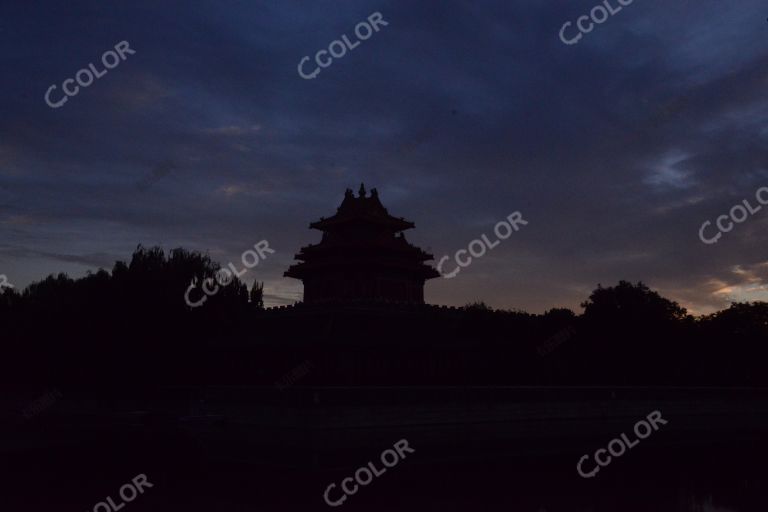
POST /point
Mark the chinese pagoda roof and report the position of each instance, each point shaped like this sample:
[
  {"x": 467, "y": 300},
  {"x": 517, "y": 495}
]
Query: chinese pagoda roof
[{"x": 362, "y": 210}]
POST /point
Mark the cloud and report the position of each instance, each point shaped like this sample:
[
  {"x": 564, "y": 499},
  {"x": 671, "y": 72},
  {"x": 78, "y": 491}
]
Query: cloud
[
  {"x": 616, "y": 149},
  {"x": 233, "y": 130}
]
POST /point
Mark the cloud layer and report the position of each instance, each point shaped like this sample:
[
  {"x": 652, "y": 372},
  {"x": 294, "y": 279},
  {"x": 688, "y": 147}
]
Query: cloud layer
[{"x": 615, "y": 149}]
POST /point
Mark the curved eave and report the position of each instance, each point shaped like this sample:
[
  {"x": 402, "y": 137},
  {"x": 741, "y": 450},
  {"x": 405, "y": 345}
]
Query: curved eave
[
  {"x": 334, "y": 222},
  {"x": 303, "y": 270}
]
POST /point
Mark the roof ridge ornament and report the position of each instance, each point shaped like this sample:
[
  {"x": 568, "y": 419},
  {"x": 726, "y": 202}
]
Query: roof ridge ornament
[{"x": 361, "y": 192}]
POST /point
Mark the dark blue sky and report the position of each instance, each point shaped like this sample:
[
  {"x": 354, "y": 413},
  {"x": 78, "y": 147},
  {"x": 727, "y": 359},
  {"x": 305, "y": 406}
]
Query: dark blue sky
[{"x": 460, "y": 113}]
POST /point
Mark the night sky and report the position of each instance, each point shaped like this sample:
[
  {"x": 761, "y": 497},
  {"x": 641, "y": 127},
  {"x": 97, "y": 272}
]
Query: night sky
[{"x": 615, "y": 149}]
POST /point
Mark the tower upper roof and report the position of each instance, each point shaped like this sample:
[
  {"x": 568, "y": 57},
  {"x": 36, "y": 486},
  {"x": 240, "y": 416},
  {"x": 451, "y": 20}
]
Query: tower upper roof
[{"x": 362, "y": 210}]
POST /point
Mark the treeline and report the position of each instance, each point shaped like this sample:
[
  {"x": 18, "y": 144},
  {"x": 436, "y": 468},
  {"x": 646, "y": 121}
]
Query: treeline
[{"x": 132, "y": 327}]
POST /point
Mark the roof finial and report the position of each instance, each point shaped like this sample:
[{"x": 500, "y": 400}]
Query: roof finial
[
  {"x": 361, "y": 192},
  {"x": 374, "y": 192}
]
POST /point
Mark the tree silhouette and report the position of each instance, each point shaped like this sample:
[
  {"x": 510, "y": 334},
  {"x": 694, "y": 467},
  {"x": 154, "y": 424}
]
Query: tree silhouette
[
  {"x": 132, "y": 326},
  {"x": 631, "y": 303},
  {"x": 257, "y": 295}
]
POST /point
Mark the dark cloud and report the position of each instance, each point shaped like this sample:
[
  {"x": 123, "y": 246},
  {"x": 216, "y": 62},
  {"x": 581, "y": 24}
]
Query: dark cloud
[{"x": 616, "y": 149}]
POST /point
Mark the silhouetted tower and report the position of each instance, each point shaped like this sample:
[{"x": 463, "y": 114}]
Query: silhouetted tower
[{"x": 363, "y": 255}]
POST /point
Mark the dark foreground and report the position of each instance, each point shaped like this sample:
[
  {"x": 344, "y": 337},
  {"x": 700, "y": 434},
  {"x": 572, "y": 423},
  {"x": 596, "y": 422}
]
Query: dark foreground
[{"x": 468, "y": 454}]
